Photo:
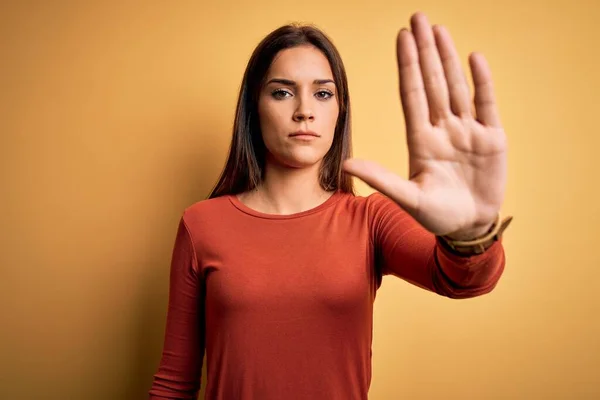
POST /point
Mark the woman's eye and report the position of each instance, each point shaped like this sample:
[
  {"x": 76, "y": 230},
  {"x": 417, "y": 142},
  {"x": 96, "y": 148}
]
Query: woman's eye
[
  {"x": 324, "y": 94},
  {"x": 280, "y": 94}
]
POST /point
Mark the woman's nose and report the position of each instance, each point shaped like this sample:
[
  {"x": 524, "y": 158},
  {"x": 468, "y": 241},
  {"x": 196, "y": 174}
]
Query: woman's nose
[{"x": 304, "y": 111}]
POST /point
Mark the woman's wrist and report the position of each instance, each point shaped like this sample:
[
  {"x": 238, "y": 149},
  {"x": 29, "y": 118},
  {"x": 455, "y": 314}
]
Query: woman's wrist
[{"x": 479, "y": 244}]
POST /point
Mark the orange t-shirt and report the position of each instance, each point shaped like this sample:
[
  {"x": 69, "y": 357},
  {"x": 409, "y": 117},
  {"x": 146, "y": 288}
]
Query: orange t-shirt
[{"x": 282, "y": 305}]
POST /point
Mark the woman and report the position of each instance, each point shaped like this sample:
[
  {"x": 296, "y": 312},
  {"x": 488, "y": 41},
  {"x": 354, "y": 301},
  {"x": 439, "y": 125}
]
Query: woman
[{"x": 274, "y": 276}]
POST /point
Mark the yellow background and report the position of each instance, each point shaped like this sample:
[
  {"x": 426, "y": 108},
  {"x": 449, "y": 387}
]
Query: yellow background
[{"x": 115, "y": 116}]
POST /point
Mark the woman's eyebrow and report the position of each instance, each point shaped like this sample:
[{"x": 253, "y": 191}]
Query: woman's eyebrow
[{"x": 293, "y": 83}]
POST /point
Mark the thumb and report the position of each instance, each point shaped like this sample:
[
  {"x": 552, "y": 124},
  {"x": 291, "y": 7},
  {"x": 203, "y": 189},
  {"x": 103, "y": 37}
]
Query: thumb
[{"x": 402, "y": 191}]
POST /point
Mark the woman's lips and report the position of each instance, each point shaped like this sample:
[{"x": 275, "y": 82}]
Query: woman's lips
[{"x": 304, "y": 135}]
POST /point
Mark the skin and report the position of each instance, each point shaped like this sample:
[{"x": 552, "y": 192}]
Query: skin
[
  {"x": 457, "y": 148},
  {"x": 299, "y": 94}
]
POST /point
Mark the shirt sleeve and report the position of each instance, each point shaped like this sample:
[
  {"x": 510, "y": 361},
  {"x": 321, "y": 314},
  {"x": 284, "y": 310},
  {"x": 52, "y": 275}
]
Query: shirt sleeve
[
  {"x": 179, "y": 371},
  {"x": 404, "y": 248}
]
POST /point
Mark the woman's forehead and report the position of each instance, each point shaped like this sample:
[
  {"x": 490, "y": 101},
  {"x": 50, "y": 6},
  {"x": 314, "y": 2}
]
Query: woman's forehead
[{"x": 303, "y": 64}]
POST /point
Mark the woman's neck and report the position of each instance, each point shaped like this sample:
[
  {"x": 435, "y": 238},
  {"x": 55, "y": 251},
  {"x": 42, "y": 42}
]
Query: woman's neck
[{"x": 287, "y": 191}]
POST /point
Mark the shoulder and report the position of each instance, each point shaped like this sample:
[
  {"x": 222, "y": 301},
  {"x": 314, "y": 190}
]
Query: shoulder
[
  {"x": 371, "y": 205},
  {"x": 206, "y": 212},
  {"x": 382, "y": 209},
  {"x": 372, "y": 202},
  {"x": 377, "y": 198},
  {"x": 207, "y": 205}
]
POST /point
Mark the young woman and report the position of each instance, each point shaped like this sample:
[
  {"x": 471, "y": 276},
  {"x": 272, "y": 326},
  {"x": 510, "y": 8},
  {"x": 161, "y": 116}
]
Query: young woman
[{"x": 274, "y": 276}]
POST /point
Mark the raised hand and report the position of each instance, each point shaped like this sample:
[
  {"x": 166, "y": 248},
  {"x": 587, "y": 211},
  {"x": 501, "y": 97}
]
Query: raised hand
[{"x": 457, "y": 151}]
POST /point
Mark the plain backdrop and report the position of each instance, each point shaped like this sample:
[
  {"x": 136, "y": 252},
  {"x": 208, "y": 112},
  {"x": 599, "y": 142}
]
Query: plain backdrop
[{"x": 116, "y": 115}]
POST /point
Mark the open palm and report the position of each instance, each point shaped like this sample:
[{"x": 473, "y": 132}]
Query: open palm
[{"x": 457, "y": 149}]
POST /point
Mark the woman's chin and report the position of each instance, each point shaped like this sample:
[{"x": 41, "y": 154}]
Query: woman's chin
[{"x": 301, "y": 162}]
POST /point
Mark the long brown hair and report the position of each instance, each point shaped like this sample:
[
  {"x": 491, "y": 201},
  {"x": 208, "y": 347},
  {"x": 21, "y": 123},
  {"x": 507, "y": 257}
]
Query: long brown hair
[{"x": 244, "y": 169}]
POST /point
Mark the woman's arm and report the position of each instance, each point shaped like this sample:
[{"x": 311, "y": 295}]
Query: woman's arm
[
  {"x": 179, "y": 372},
  {"x": 405, "y": 249}
]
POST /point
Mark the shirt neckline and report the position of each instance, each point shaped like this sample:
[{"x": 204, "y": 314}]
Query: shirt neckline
[{"x": 334, "y": 198}]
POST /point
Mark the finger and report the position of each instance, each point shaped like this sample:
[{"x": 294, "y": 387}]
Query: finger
[
  {"x": 485, "y": 100},
  {"x": 460, "y": 99},
  {"x": 431, "y": 67},
  {"x": 402, "y": 191},
  {"x": 412, "y": 91}
]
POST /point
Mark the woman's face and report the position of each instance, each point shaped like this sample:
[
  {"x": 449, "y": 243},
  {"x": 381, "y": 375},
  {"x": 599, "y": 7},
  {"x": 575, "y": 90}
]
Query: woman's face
[{"x": 299, "y": 96}]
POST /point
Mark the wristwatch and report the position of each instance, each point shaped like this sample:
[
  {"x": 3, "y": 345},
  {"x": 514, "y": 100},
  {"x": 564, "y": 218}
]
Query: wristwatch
[{"x": 479, "y": 245}]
